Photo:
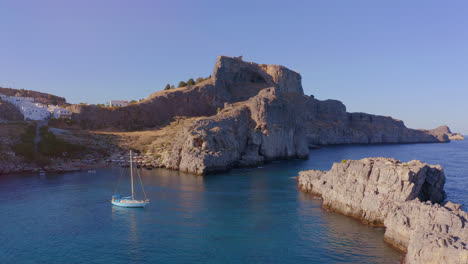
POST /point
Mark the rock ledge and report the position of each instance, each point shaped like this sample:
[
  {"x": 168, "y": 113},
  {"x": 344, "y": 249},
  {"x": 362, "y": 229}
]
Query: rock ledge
[{"x": 405, "y": 198}]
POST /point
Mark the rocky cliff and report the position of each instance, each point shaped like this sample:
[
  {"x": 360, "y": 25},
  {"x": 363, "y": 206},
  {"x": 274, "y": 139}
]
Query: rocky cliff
[
  {"x": 402, "y": 197},
  {"x": 279, "y": 121},
  {"x": 247, "y": 113},
  {"x": 444, "y": 131}
]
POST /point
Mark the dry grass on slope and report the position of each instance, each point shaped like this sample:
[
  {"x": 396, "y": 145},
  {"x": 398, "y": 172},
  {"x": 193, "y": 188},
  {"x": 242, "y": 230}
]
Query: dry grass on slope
[{"x": 153, "y": 141}]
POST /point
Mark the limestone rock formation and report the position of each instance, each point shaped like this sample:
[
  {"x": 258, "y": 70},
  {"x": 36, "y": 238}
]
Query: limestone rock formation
[
  {"x": 245, "y": 114},
  {"x": 279, "y": 121},
  {"x": 403, "y": 197}
]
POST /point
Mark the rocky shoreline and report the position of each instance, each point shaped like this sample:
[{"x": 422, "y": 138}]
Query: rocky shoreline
[
  {"x": 405, "y": 198},
  {"x": 18, "y": 168}
]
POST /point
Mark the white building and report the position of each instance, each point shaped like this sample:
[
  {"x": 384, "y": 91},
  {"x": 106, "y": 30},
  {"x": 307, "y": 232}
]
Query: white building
[
  {"x": 59, "y": 112},
  {"x": 19, "y": 100},
  {"x": 32, "y": 111},
  {"x": 36, "y": 111},
  {"x": 29, "y": 109},
  {"x": 118, "y": 103}
]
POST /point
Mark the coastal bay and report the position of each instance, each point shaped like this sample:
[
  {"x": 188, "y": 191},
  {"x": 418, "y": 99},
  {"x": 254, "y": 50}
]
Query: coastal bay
[{"x": 230, "y": 217}]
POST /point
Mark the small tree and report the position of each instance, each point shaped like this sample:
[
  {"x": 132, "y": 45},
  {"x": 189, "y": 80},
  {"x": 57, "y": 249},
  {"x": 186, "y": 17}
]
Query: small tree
[
  {"x": 182, "y": 84},
  {"x": 168, "y": 86},
  {"x": 191, "y": 82},
  {"x": 200, "y": 79},
  {"x": 172, "y": 87}
]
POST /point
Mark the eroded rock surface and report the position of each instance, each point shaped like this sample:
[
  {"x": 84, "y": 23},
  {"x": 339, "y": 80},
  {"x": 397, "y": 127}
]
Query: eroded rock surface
[{"x": 403, "y": 197}]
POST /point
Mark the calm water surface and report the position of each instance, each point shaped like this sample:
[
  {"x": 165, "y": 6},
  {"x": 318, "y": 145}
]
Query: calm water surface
[{"x": 243, "y": 216}]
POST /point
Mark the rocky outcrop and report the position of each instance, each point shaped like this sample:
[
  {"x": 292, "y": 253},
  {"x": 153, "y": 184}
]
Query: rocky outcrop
[
  {"x": 8, "y": 112},
  {"x": 279, "y": 121},
  {"x": 444, "y": 132},
  {"x": 247, "y": 113},
  {"x": 405, "y": 198}
]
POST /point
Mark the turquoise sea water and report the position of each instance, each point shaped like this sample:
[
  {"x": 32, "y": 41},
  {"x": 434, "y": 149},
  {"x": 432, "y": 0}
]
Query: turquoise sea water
[{"x": 242, "y": 216}]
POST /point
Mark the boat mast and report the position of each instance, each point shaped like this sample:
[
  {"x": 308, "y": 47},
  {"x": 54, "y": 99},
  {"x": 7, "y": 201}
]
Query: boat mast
[{"x": 131, "y": 171}]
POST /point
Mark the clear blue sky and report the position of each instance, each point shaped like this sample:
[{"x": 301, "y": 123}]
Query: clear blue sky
[{"x": 407, "y": 59}]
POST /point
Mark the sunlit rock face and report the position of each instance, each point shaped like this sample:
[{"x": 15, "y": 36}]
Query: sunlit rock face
[{"x": 406, "y": 198}]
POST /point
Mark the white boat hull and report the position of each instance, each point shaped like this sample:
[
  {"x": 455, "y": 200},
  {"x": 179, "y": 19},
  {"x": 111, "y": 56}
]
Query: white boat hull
[{"x": 130, "y": 203}]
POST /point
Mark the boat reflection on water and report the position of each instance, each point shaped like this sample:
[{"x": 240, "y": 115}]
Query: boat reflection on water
[{"x": 126, "y": 225}]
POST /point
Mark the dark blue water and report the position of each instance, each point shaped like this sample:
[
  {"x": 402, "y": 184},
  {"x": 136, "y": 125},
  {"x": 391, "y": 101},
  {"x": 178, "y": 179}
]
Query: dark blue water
[{"x": 244, "y": 216}]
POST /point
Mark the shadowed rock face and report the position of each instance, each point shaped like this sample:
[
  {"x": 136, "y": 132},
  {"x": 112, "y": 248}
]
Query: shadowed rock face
[
  {"x": 265, "y": 115},
  {"x": 402, "y": 197}
]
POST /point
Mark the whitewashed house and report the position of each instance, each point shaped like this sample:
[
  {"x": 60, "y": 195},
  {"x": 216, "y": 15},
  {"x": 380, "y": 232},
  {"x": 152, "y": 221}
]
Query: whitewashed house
[
  {"x": 32, "y": 111},
  {"x": 118, "y": 103},
  {"x": 29, "y": 109},
  {"x": 19, "y": 100},
  {"x": 59, "y": 112},
  {"x": 36, "y": 111}
]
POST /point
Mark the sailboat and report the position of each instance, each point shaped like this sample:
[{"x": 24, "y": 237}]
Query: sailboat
[{"x": 129, "y": 201}]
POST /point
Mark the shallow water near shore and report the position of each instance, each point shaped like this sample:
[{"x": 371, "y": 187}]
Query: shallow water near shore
[{"x": 242, "y": 216}]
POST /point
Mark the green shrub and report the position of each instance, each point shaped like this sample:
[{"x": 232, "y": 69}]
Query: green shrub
[
  {"x": 191, "y": 82},
  {"x": 182, "y": 84},
  {"x": 52, "y": 146},
  {"x": 344, "y": 161}
]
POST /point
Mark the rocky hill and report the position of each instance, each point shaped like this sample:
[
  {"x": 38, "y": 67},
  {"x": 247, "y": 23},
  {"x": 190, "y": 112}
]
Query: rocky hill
[
  {"x": 244, "y": 114},
  {"x": 406, "y": 198},
  {"x": 44, "y": 98},
  {"x": 256, "y": 112}
]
